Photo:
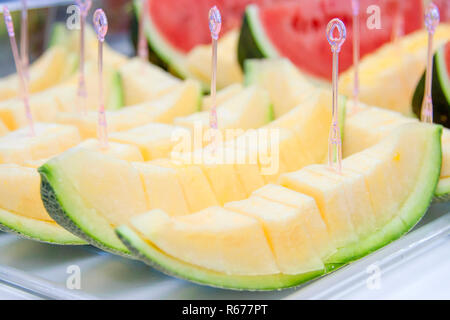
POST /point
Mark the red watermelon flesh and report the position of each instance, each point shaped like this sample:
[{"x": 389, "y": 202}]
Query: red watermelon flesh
[
  {"x": 298, "y": 29},
  {"x": 447, "y": 57},
  {"x": 184, "y": 23}
]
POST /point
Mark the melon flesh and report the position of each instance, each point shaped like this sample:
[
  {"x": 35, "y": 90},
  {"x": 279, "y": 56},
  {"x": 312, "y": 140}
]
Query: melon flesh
[
  {"x": 50, "y": 139},
  {"x": 154, "y": 140},
  {"x": 183, "y": 100},
  {"x": 116, "y": 150},
  {"x": 286, "y": 86},
  {"x": 307, "y": 206},
  {"x": 162, "y": 185},
  {"x": 143, "y": 81},
  {"x": 249, "y": 109},
  {"x": 222, "y": 95},
  {"x": 331, "y": 200},
  {"x": 110, "y": 186},
  {"x": 394, "y": 70},
  {"x": 286, "y": 231},
  {"x": 51, "y": 68},
  {"x": 236, "y": 244},
  {"x": 228, "y": 69},
  {"x": 19, "y": 192},
  {"x": 3, "y": 129}
]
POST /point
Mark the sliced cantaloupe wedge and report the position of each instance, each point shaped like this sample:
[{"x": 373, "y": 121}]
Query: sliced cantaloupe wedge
[
  {"x": 49, "y": 140},
  {"x": 236, "y": 243},
  {"x": 202, "y": 186},
  {"x": 54, "y": 66},
  {"x": 286, "y": 232},
  {"x": 183, "y": 100},
  {"x": 148, "y": 236},
  {"x": 143, "y": 81}
]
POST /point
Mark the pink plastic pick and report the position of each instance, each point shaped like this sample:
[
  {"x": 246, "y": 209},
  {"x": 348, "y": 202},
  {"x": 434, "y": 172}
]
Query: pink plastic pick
[
  {"x": 334, "y": 142},
  {"x": 356, "y": 41},
  {"x": 431, "y": 22},
  {"x": 215, "y": 24},
  {"x": 142, "y": 41},
  {"x": 24, "y": 39},
  {"x": 22, "y": 82},
  {"x": 84, "y": 6},
  {"x": 101, "y": 27}
]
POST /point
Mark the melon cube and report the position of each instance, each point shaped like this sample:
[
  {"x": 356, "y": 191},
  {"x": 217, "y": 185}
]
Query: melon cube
[
  {"x": 163, "y": 189},
  {"x": 143, "y": 81},
  {"x": 214, "y": 238},
  {"x": 117, "y": 150},
  {"x": 357, "y": 195},
  {"x": 286, "y": 232},
  {"x": 222, "y": 95},
  {"x": 49, "y": 140},
  {"x": 196, "y": 187},
  {"x": 314, "y": 223},
  {"x": 331, "y": 199},
  {"x": 19, "y": 192},
  {"x": 154, "y": 140}
]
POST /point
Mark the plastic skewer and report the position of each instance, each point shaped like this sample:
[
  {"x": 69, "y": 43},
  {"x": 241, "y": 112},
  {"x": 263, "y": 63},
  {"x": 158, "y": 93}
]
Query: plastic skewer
[
  {"x": 101, "y": 27},
  {"x": 215, "y": 24},
  {"x": 142, "y": 42},
  {"x": 334, "y": 141},
  {"x": 431, "y": 22},
  {"x": 84, "y": 6},
  {"x": 24, "y": 39},
  {"x": 356, "y": 47},
  {"x": 22, "y": 82}
]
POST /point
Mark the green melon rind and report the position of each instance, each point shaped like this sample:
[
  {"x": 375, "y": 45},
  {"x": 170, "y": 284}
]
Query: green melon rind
[
  {"x": 149, "y": 254},
  {"x": 162, "y": 52},
  {"x": 253, "y": 40},
  {"x": 66, "y": 207},
  {"x": 412, "y": 210},
  {"x": 58, "y": 35},
  {"x": 37, "y": 230}
]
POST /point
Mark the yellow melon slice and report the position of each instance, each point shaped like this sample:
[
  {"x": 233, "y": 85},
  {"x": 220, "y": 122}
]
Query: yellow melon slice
[
  {"x": 286, "y": 231},
  {"x": 236, "y": 244},
  {"x": 198, "y": 61},
  {"x": 50, "y": 139},
  {"x": 314, "y": 223},
  {"x": 143, "y": 81},
  {"x": 183, "y": 100}
]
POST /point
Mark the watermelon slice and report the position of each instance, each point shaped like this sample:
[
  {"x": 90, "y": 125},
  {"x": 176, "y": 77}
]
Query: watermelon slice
[
  {"x": 297, "y": 30},
  {"x": 174, "y": 27}
]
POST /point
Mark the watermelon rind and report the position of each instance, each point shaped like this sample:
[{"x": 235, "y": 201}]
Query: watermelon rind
[
  {"x": 440, "y": 90},
  {"x": 161, "y": 51},
  {"x": 254, "y": 43}
]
